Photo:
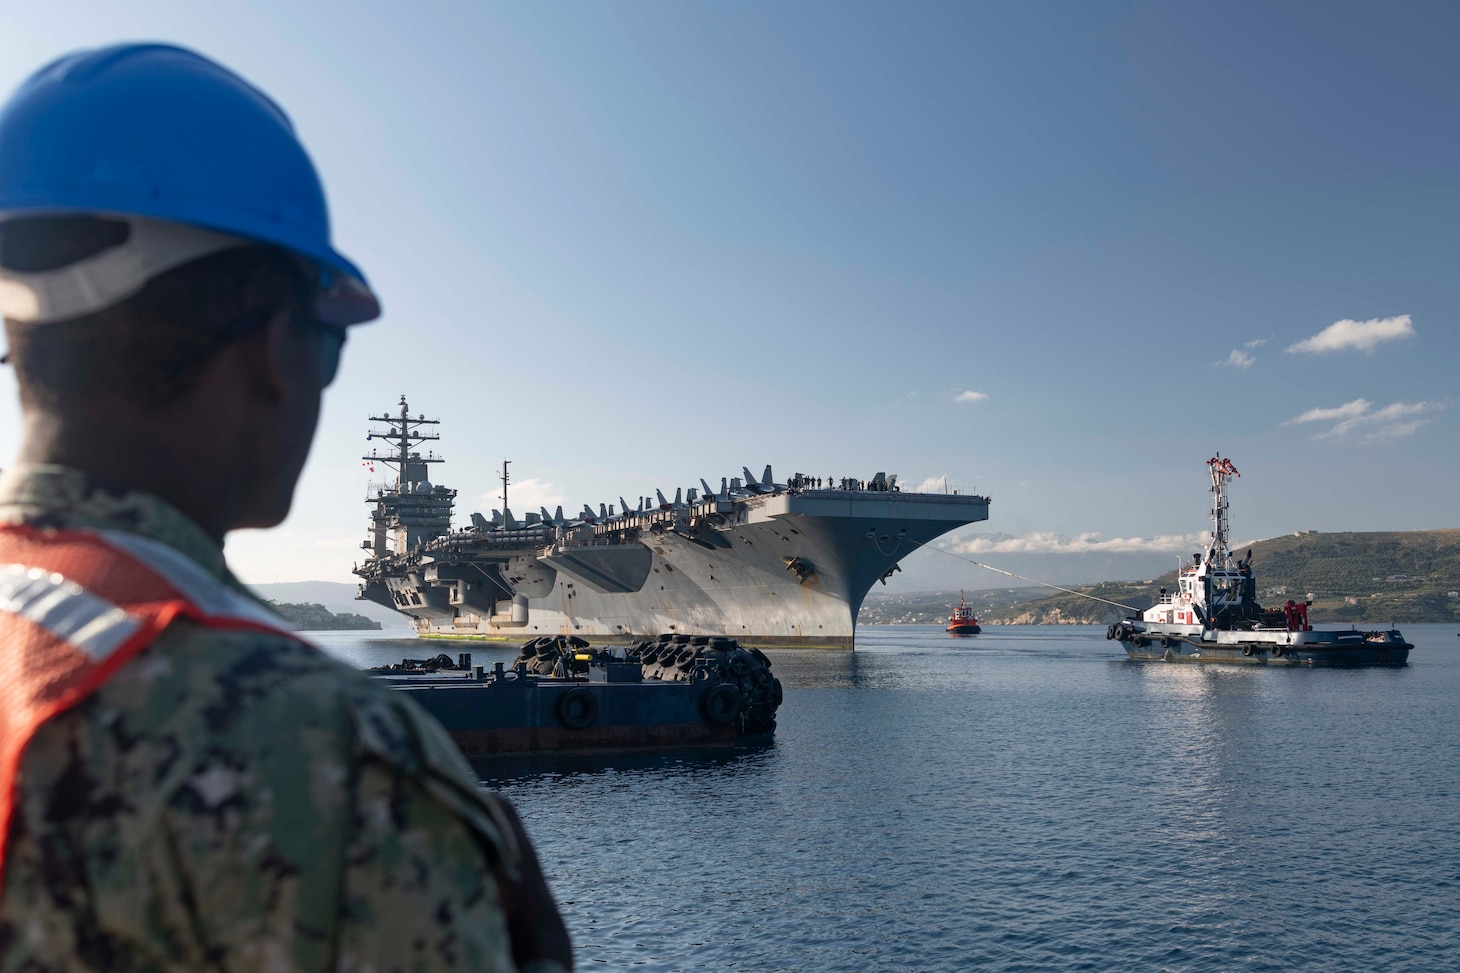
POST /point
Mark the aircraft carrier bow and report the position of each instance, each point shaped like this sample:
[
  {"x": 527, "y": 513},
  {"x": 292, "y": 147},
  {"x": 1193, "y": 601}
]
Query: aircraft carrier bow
[{"x": 769, "y": 564}]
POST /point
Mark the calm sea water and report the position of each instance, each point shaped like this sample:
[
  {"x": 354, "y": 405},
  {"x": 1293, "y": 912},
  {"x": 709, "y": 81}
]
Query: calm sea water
[{"x": 1026, "y": 799}]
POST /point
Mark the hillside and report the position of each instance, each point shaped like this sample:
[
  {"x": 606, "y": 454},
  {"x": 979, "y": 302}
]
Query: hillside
[
  {"x": 309, "y": 617},
  {"x": 335, "y": 597},
  {"x": 929, "y": 607},
  {"x": 1004, "y": 606},
  {"x": 1374, "y": 577}
]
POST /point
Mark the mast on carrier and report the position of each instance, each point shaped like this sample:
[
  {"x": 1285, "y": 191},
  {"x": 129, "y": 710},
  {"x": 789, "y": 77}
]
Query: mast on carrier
[{"x": 413, "y": 510}]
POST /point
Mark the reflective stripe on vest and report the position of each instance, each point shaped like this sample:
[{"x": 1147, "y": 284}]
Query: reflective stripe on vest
[{"x": 76, "y": 606}]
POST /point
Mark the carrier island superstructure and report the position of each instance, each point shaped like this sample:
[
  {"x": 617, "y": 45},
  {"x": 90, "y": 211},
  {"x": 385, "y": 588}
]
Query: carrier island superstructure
[{"x": 770, "y": 564}]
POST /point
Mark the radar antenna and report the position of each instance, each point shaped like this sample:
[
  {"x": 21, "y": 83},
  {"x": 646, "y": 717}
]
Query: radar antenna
[
  {"x": 414, "y": 510},
  {"x": 405, "y": 433}
]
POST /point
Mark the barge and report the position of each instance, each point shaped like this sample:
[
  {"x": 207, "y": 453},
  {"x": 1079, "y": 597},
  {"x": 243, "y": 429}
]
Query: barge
[{"x": 563, "y": 694}]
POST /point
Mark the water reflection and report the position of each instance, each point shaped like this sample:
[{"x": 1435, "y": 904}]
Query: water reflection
[
  {"x": 1200, "y": 719},
  {"x": 500, "y": 771},
  {"x": 816, "y": 669}
]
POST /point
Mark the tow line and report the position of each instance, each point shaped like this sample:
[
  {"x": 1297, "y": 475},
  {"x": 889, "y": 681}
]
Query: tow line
[{"x": 1046, "y": 584}]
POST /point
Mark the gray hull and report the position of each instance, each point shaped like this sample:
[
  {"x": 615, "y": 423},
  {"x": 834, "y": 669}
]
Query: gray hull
[{"x": 784, "y": 569}]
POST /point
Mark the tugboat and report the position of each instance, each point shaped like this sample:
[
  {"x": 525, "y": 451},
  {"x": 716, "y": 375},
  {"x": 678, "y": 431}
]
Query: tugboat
[
  {"x": 1213, "y": 616},
  {"x": 963, "y": 621}
]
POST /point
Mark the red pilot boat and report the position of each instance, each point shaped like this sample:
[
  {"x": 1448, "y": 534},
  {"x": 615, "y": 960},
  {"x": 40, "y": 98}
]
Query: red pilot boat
[{"x": 963, "y": 621}]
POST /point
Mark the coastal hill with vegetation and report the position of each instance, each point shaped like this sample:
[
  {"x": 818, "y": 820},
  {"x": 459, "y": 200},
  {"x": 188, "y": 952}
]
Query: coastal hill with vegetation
[
  {"x": 1371, "y": 577},
  {"x": 309, "y": 617}
]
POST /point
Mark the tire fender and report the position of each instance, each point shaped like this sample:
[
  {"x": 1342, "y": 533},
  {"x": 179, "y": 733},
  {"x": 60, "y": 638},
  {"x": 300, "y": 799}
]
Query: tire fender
[
  {"x": 720, "y": 704},
  {"x": 577, "y": 709}
]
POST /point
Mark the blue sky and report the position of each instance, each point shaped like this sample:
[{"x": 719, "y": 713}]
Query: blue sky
[{"x": 629, "y": 245}]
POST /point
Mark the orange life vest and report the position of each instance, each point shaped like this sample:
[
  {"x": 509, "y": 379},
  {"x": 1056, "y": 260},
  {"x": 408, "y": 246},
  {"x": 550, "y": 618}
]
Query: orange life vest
[{"x": 77, "y": 606}]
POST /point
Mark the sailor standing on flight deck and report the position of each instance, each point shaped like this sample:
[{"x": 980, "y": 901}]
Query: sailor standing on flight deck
[{"x": 184, "y": 785}]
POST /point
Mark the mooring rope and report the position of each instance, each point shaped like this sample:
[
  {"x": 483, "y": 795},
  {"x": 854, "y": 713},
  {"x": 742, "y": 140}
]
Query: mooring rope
[{"x": 1046, "y": 584}]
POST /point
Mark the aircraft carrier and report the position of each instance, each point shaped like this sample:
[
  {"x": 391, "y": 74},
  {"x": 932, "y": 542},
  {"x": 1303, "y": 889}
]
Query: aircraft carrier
[{"x": 769, "y": 564}]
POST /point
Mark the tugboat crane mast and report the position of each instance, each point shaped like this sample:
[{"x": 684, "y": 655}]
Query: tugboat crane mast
[{"x": 1220, "y": 469}]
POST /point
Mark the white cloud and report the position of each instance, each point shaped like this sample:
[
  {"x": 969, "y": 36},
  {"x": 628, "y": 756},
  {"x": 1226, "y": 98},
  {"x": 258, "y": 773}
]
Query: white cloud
[
  {"x": 525, "y": 496},
  {"x": 1393, "y": 421},
  {"x": 1238, "y": 359},
  {"x": 1346, "y": 411},
  {"x": 1359, "y": 335},
  {"x": 933, "y": 484},
  {"x": 1383, "y": 424},
  {"x": 1397, "y": 430},
  {"x": 971, "y": 396},
  {"x": 1047, "y": 542},
  {"x": 1404, "y": 409}
]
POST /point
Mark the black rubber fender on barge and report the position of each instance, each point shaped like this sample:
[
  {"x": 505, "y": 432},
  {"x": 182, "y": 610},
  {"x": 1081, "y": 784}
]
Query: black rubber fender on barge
[
  {"x": 721, "y": 705},
  {"x": 577, "y": 709},
  {"x": 745, "y": 674},
  {"x": 718, "y": 662}
]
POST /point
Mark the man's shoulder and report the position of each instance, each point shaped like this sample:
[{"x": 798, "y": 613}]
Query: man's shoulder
[
  {"x": 251, "y": 690},
  {"x": 395, "y": 732},
  {"x": 273, "y": 776},
  {"x": 286, "y": 675}
]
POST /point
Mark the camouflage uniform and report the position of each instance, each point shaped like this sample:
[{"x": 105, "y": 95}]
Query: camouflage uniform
[{"x": 239, "y": 801}]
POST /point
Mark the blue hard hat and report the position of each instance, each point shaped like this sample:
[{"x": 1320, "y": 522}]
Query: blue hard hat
[{"x": 151, "y": 130}]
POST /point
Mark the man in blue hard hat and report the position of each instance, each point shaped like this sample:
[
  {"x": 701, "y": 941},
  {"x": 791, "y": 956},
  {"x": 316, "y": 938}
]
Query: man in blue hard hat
[{"x": 183, "y": 783}]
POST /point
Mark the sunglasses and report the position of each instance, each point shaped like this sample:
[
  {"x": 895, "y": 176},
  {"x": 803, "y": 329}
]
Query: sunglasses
[
  {"x": 331, "y": 343},
  {"x": 330, "y": 338}
]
